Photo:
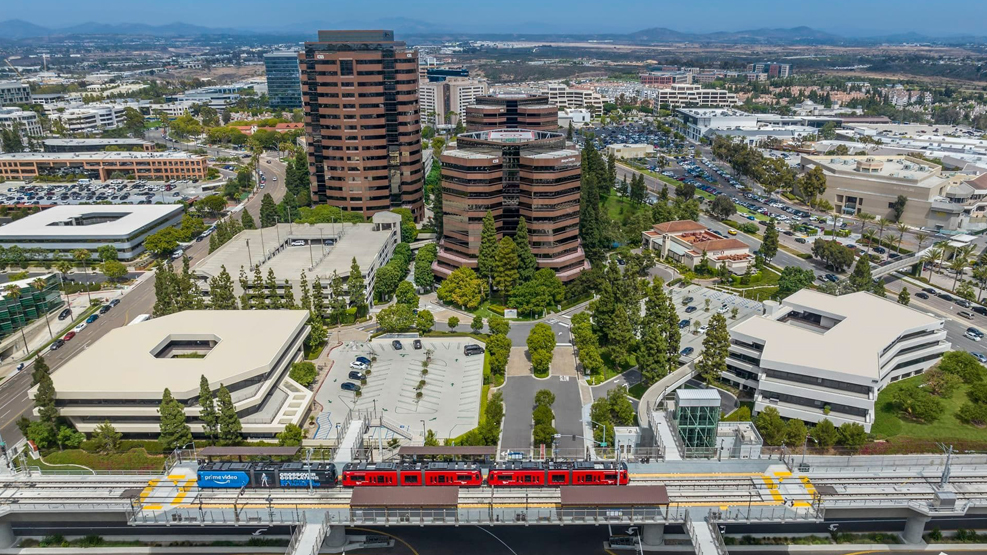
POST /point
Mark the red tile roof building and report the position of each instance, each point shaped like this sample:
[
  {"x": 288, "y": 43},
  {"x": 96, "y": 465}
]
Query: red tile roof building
[{"x": 687, "y": 242}]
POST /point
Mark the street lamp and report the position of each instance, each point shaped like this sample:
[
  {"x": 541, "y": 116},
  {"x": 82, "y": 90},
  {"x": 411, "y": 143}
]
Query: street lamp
[
  {"x": 424, "y": 433},
  {"x": 805, "y": 447}
]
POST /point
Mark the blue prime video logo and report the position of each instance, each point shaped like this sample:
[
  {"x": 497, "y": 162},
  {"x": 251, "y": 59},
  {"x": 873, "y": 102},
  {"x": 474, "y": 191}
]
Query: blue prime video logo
[{"x": 223, "y": 479}]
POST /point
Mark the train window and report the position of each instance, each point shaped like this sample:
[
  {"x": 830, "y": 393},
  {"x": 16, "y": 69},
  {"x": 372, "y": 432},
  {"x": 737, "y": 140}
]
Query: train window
[
  {"x": 440, "y": 479},
  {"x": 463, "y": 477},
  {"x": 381, "y": 479},
  {"x": 527, "y": 478},
  {"x": 507, "y": 477},
  {"x": 411, "y": 479},
  {"x": 357, "y": 477},
  {"x": 609, "y": 476},
  {"x": 558, "y": 479}
]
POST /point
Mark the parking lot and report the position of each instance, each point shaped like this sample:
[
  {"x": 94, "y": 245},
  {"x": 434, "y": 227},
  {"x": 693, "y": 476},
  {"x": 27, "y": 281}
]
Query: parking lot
[
  {"x": 450, "y": 399},
  {"x": 115, "y": 191},
  {"x": 699, "y": 294}
]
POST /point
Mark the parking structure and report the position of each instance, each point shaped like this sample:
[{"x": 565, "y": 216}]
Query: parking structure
[{"x": 745, "y": 308}]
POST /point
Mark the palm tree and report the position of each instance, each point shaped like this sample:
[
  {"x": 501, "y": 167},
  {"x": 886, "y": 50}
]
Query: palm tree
[
  {"x": 961, "y": 259},
  {"x": 14, "y": 293},
  {"x": 931, "y": 258},
  {"x": 902, "y": 228},
  {"x": 869, "y": 235},
  {"x": 864, "y": 217},
  {"x": 82, "y": 255},
  {"x": 39, "y": 284},
  {"x": 921, "y": 238},
  {"x": 881, "y": 224}
]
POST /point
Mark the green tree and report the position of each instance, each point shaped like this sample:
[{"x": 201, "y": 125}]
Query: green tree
[
  {"x": 904, "y": 297},
  {"x": 964, "y": 365},
  {"x": 268, "y": 211},
  {"x": 107, "y": 252},
  {"x": 542, "y": 293},
  {"x": 44, "y": 400},
  {"x": 453, "y": 322},
  {"x": 424, "y": 322},
  {"x": 769, "y": 246},
  {"x": 221, "y": 293},
  {"x": 527, "y": 264},
  {"x": 715, "y": 349},
  {"x": 406, "y": 295},
  {"x": 430, "y": 439},
  {"x": 207, "y": 409},
  {"x": 722, "y": 207},
  {"x": 105, "y": 438},
  {"x": 463, "y": 288},
  {"x": 898, "y": 207},
  {"x": 544, "y": 397},
  {"x": 396, "y": 318},
  {"x": 40, "y": 369},
  {"x": 812, "y": 183},
  {"x": 541, "y": 343},
  {"x": 941, "y": 384},
  {"x": 912, "y": 402},
  {"x": 303, "y": 372},
  {"x": 795, "y": 432},
  {"x": 852, "y": 434},
  {"x": 247, "y": 220},
  {"x": 486, "y": 260},
  {"x": 793, "y": 279},
  {"x": 498, "y": 325},
  {"x": 230, "y": 427},
  {"x": 424, "y": 277},
  {"x": 825, "y": 433},
  {"x": 113, "y": 270},
  {"x": 175, "y": 433},
  {"x": 771, "y": 426},
  {"x": 477, "y": 324},
  {"x": 356, "y": 288},
  {"x": 291, "y": 436},
  {"x": 860, "y": 278},
  {"x": 161, "y": 242},
  {"x": 499, "y": 350}
]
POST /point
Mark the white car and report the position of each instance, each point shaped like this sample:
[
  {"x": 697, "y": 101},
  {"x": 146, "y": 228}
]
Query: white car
[
  {"x": 723, "y": 308},
  {"x": 298, "y": 243},
  {"x": 79, "y": 328},
  {"x": 703, "y": 329},
  {"x": 177, "y": 254},
  {"x": 972, "y": 336},
  {"x": 357, "y": 365}
]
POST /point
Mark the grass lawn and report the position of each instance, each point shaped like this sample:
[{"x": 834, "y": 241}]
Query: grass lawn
[
  {"x": 134, "y": 459},
  {"x": 610, "y": 369},
  {"x": 888, "y": 425},
  {"x": 637, "y": 390},
  {"x": 622, "y": 209}
]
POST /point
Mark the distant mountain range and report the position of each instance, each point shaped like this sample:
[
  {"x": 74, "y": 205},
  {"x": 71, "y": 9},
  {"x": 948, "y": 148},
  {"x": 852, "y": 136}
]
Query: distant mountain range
[{"x": 411, "y": 29}]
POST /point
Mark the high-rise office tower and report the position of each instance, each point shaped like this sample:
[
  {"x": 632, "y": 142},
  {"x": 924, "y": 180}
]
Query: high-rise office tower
[
  {"x": 512, "y": 111},
  {"x": 362, "y": 122},
  {"x": 284, "y": 89}
]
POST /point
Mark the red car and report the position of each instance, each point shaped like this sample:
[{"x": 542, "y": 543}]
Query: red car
[{"x": 69, "y": 336}]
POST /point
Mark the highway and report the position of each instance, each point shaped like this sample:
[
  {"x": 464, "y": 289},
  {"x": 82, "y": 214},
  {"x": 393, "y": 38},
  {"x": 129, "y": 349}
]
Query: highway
[{"x": 140, "y": 300}]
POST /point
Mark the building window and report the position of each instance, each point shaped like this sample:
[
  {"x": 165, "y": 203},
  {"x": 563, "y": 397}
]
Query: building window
[{"x": 346, "y": 67}]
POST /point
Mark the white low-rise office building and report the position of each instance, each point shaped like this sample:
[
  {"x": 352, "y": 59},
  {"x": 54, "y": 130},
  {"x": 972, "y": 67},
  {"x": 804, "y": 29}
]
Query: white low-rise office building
[
  {"x": 816, "y": 356},
  {"x": 14, "y": 92},
  {"x": 25, "y": 122},
  {"x": 64, "y": 229},
  {"x": 677, "y": 96},
  {"x": 321, "y": 251},
  {"x": 566, "y": 97},
  {"x": 121, "y": 377},
  {"x": 87, "y": 118}
]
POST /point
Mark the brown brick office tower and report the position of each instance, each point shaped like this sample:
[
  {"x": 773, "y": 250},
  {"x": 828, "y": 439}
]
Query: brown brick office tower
[
  {"x": 512, "y": 111},
  {"x": 360, "y": 98},
  {"x": 513, "y": 173}
]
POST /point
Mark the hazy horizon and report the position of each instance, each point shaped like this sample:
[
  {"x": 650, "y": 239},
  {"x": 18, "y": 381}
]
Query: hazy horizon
[{"x": 850, "y": 18}]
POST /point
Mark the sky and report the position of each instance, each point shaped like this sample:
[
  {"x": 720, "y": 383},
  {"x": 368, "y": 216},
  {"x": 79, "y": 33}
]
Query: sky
[{"x": 844, "y": 17}]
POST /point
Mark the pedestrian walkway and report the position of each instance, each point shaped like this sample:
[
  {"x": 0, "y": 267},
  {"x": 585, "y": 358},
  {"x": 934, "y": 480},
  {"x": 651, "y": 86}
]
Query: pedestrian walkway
[
  {"x": 517, "y": 362},
  {"x": 174, "y": 489}
]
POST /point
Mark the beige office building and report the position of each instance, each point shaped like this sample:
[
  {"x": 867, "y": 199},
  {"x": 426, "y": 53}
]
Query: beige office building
[
  {"x": 437, "y": 99},
  {"x": 121, "y": 377},
  {"x": 681, "y": 95},
  {"x": 565, "y": 98},
  {"x": 872, "y": 184}
]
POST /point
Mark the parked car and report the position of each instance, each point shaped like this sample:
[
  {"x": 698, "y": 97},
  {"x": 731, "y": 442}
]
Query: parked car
[
  {"x": 801, "y": 240},
  {"x": 687, "y": 351},
  {"x": 922, "y": 295},
  {"x": 684, "y": 324},
  {"x": 470, "y": 350},
  {"x": 690, "y": 310},
  {"x": 723, "y": 308},
  {"x": 981, "y": 310},
  {"x": 349, "y": 386},
  {"x": 976, "y": 332},
  {"x": 105, "y": 308},
  {"x": 688, "y": 300},
  {"x": 964, "y": 303},
  {"x": 358, "y": 376},
  {"x": 703, "y": 329},
  {"x": 64, "y": 314},
  {"x": 92, "y": 318},
  {"x": 80, "y": 327},
  {"x": 417, "y": 344},
  {"x": 358, "y": 365},
  {"x": 979, "y": 356},
  {"x": 69, "y": 336},
  {"x": 397, "y": 345},
  {"x": 965, "y": 314},
  {"x": 930, "y": 290},
  {"x": 298, "y": 243},
  {"x": 114, "y": 302},
  {"x": 56, "y": 345},
  {"x": 947, "y": 297},
  {"x": 363, "y": 360}
]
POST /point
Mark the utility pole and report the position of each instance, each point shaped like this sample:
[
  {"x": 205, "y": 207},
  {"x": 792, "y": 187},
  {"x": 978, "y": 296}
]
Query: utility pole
[{"x": 944, "y": 480}]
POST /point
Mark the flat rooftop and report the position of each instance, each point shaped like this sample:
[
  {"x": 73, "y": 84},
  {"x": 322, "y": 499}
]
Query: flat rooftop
[
  {"x": 92, "y": 142},
  {"x": 715, "y": 113},
  {"x": 866, "y": 325},
  {"x": 97, "y": 156},
  {"x": 897, "y": 167},
  {"x": 358, "y": 241},
  {"x": 126, "y": 363},
  {"x": 97, "y": 221}
]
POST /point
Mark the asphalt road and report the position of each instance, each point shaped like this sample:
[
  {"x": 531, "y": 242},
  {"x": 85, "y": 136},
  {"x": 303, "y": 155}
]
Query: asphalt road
[
  {"x": 140, "y": 300},
  {"x": 519, "y": 401}
]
